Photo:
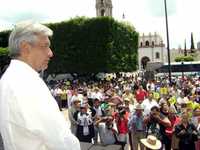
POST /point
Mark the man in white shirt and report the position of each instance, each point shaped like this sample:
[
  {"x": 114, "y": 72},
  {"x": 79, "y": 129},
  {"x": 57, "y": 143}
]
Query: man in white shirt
[
  {"x": 29, "y": 115},
  {"x": 148, "y": 103}
]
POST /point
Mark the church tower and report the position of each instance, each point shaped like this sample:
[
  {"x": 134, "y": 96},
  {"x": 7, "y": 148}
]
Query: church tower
[{"x": 104, "y": 8}]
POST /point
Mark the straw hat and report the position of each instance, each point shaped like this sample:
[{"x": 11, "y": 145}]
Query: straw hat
[{"x": 151, "y": 142}]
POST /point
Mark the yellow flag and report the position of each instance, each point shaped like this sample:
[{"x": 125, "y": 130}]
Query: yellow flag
[
  {"x": 156, "y": 95},
  {"x": 172, "y": 100}
]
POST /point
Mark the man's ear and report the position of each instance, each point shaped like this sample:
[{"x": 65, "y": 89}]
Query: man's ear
[{"x": 24, "y": 48}]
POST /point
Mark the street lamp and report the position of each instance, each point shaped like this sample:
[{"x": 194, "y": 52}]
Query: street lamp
[{"x": 168, "y": 51}]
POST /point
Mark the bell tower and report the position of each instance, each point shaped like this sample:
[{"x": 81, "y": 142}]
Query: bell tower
[{"x": 103, "y": 8}]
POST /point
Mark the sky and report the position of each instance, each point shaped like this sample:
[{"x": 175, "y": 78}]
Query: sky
[{"x": 145, "y": 15}]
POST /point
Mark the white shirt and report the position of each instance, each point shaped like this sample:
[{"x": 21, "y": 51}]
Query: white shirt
[
  {"x": 29, "y": 115},
  {"x": 147, "y": 105},
  {"x": 106, "y": 135}
]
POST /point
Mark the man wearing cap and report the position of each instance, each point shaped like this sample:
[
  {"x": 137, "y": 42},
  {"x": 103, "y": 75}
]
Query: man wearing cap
[{"x": 136, "y": 127}]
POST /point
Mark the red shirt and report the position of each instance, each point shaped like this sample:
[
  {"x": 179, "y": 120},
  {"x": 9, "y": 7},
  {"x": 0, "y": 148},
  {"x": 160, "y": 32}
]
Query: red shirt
[
  {"x": 122, "y": 124},
  {"x": 140, "y": 95},
  {"x": 174, "y": 122}
]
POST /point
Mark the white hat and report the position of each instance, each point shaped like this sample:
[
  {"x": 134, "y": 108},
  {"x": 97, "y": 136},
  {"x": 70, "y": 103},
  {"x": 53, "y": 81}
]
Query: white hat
[{"x": 151, "y": 142}]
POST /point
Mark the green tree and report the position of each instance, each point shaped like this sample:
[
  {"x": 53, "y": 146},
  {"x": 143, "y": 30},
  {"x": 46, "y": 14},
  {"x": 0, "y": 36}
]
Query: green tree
[
  {"x": 184, "y": 58},
  {"x": 92, "y": 45},
  {"x": 4, "y": 35},
  {"x": 4, "y": 59}
]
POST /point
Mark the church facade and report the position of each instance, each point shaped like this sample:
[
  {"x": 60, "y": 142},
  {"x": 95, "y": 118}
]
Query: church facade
[{"x": 151, "y": 49}]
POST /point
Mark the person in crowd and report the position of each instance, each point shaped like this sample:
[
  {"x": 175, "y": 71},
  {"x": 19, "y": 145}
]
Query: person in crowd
[
  {"x": 96, "y": 94},
  {"x": 29, "y": 115},
  {"x": 63, "y": 97},
  {"x": 76, "y": 95},
  {"x": 85, "y": 126},
  {"x": 150, "y": 86},
  {"x": 121, "y": 119},
  {"x": 163, "y": 90},
  {"x": 57, "y": 93},
  {"x": 164, "y": 112},
  {"x": 71, "y": 111},
  {"x": 175, "y": 120},
  {"x": 127, "y": 94},
  {"x": 107, "y": 133},
  {"x": 148, "y": 103},
  {"x": 196, "y": 117},
  {"x": 154, "y": 121},
  {"x": 115, "y": 98},
  {"x": 186, "y": 132},
  {"x": 99, "y": 113},
  {"x": 129, "y": 107},
  {"x": 140, "y": 94},
  {"x": 136, "y": 127}
]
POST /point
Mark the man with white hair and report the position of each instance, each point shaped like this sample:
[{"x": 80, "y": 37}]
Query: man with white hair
[{"x": 29, "y": 115}]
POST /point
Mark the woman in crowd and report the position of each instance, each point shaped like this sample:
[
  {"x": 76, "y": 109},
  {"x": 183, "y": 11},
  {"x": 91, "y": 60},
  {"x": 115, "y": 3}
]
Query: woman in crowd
[{"x": 186, "y": 132}]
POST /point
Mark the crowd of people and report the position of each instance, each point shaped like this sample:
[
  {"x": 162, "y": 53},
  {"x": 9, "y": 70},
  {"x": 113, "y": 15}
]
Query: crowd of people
[
  {"x": 123, "y": 110},
  {"x": 128, "y": 110}
]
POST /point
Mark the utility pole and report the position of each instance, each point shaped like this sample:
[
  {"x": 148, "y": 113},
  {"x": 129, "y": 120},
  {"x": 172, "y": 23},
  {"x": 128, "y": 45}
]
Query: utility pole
[{"x": 168, "y": 49}]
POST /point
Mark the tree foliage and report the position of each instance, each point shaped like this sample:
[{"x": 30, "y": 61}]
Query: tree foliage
[
  {"x": 93, "y": 45},
  {"x": 4, "y": 59},
  {"x": 89, "y": 45},
  {"x": 4, "y": 35},
  {"x": 184, "y": 58}
]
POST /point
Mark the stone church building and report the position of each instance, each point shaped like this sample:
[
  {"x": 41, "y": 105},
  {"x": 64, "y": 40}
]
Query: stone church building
[{"x": 150, "y": 47}]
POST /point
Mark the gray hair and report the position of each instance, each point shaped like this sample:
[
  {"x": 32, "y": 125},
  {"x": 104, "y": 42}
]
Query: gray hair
[{"x": 25, "y": 31}]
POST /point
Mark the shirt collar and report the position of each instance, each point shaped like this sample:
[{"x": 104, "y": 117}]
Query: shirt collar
[{"x": 24, "y": 65}]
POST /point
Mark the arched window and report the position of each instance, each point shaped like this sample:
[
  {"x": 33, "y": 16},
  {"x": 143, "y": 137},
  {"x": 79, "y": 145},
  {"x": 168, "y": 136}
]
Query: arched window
[
  {"x": 147, "y": 43},
  {"x": 102, "y": 12},
  {"x": 101, "y": 1},
  {"x": 141, "y": 44},
  {"x": 157, "y": 55}
]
